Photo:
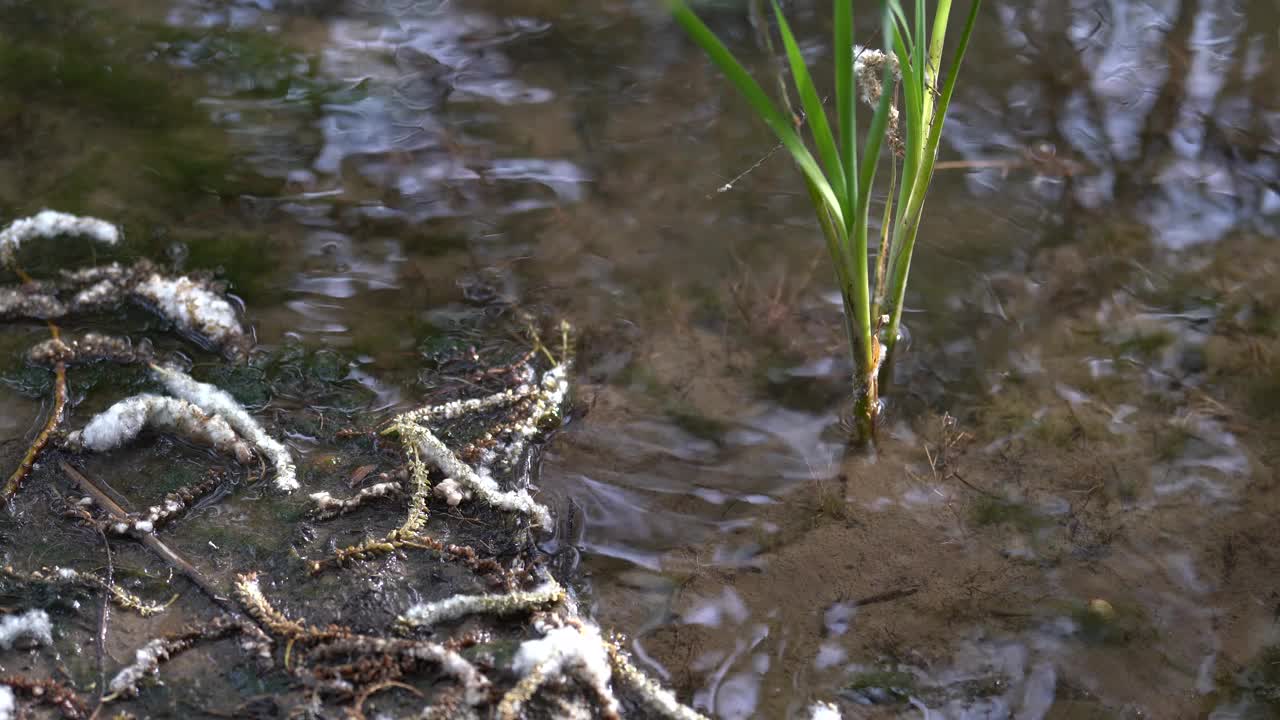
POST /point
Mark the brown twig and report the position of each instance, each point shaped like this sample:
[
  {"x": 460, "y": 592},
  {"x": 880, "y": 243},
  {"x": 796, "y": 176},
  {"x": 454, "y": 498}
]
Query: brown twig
[
  {"x": 48, "y": 692},
  {"x": 357, "y": 706},
  {"x": 38, "y": 444},
  {"x": 883, "y": 597},
  {"x": 157, "y": 546},
  {"x": 160, "y": 650},
  {"x": 104, "y": 614},
  {"x": 55, "y": 415}
]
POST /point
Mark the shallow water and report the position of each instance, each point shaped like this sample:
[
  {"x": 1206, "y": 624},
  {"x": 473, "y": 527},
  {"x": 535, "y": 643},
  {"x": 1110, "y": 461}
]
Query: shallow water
[{"x": 1071, "y": 511}]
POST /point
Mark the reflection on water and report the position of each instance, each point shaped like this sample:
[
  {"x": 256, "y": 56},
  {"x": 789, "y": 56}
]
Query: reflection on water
[
  {"x": 1076, "y": 306},
  {"x": 1159, "y": 101}
]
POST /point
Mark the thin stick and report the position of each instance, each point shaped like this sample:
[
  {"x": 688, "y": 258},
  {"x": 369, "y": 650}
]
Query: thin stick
[
  {"x": 886, "y": 597},
  {"x": 155, "y": 545},
  {"x": 55, "y": 416},
  {"x": 37, "y": 446},
  {"x": 886, "y": 246},
  {"x": 104, "y": 615}
]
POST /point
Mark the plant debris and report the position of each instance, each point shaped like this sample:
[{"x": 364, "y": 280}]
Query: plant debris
[{"x": 468, "y": 451}]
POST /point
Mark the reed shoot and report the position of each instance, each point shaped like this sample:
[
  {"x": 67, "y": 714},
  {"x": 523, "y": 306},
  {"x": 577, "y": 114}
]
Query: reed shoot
[{"x": 910, "y": 104}]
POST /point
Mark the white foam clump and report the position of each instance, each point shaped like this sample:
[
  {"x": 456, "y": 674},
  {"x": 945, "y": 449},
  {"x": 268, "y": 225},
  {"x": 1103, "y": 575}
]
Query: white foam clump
[
  {"x": 215, "y": 401},
  {"x": 123, "y": 421},
  {"x": 461, "y": 480},
  {"x": 579, "y": 651},
  {"x": 194, "y": 307},
  {"x": 146, "y": 660},
  {"x": 50, "y": 224},
  {"x": 451, "y": 492},
  {"x": 32, "y": 624},
  {"x": 8, "y": 703}
]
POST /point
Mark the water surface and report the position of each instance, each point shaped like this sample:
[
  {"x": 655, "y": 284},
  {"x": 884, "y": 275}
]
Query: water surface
[{"x": 1071, "y": 513}]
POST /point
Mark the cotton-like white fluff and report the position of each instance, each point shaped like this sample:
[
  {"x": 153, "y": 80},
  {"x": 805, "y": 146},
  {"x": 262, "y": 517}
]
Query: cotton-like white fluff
[
  {"x": 103, "y": 292},
  {"x": 576, "y": 650},
  {"x": 146, "y": 660},
  {"x": 51, "y": 223},
  {"x": 868, "y": 63},
  {"x": 481, "y": 483},
  {"x": 17, "y": 303},
  {"x": 193, "y": 307},
  {"x": 8, "y": 703},
  {"x": 216, "y": 401},
  {"x": 548, "y": 400},
  {"x": 458, "y": 606},
  {"x": 328, "y": 506},
  {"x": 33, "y": 624},
  {"x": 450, "y": 491},
  {"x": 868, "y": 67},
  {"x": 823, "y": 711},
  {"x": 458, "y": 408},
  {"x": 123, "y": 421}
]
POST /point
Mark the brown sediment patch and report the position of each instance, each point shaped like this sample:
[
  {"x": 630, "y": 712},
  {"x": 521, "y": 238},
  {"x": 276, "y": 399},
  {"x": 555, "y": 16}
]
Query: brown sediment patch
[
  {"x": 1109, "y": 519},
  {"x": 1122, "y": 592}
]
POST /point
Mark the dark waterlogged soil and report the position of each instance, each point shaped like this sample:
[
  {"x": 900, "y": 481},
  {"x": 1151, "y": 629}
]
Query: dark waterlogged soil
[{"x": 1071, "y": 510}]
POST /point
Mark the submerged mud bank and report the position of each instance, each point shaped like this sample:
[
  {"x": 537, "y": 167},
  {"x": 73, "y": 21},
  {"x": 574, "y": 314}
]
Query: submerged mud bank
[
  {"x": 450, "y": 613},
  {"x": 1092, "y": 537}
]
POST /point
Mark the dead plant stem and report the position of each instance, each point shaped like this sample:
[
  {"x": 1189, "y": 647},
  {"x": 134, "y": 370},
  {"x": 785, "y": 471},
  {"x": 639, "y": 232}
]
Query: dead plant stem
[{"x": 157, "y": 546}]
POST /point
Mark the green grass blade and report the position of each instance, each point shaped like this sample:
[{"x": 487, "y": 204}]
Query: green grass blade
[
  {"x": 846, "y": 98},
  {"x": 930, "y": 153},
  {"x": 900, "y": 18},
  {"x": 909, "y": 224},
  {"x": 913, "y": 139},
  {"x": 941, "y": 18},
  {"x": 949, "y": 88},
  {"x": 759, "y": 101},
  {"x": 921, "y": 42},
  {"x": 813, "y": 110}
]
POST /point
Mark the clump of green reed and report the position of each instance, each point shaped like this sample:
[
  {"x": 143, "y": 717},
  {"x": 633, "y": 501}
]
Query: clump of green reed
[{"x": 840, "y": 180}]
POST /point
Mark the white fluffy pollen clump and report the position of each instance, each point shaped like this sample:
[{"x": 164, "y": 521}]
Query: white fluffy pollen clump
[
  {"x": 451, "y": 492},
  {"x": 868, "y": 68},
  {"x": 480, "y": 483},
  {"x": 32, "y": 624},
  {"x": 193, "y": 307},
  {"x": 103, "y": 292},
  {"x": 462, "y": 482},
  {"x": 452, "y": 608},
  {"x": 458, "y": 408},
  {"x": 8, "y": 703},
  {"x": 50, "y": 224},
  {"x": 146, "y": 660},
  {"x": 328, "y": 506},
  {"x": 579, "y": 651},
  {"x": 216, "y": 401},
  {"x": 123, "y": 421},
  {"x": 824, "y": 711}
]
